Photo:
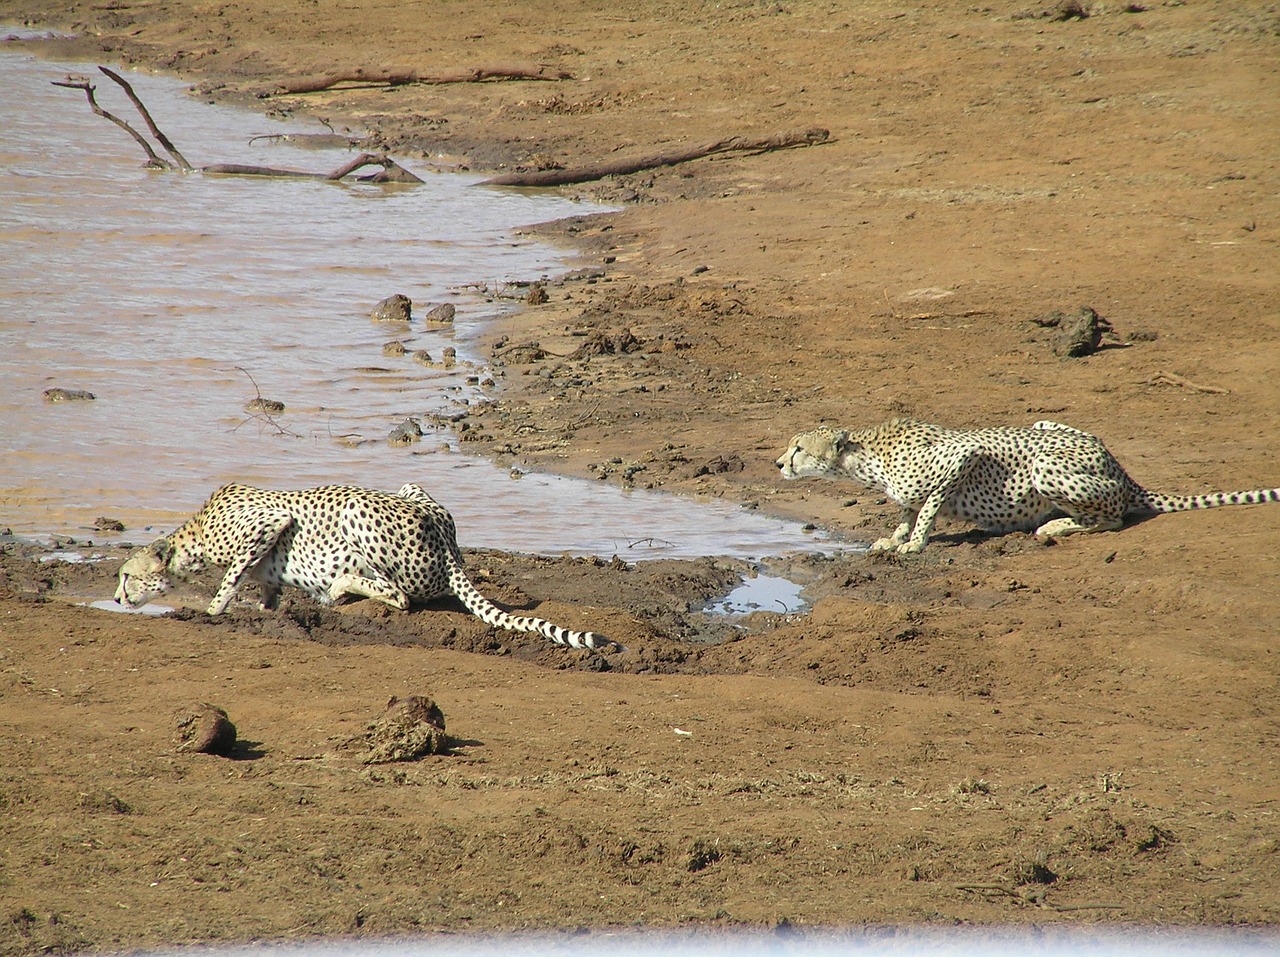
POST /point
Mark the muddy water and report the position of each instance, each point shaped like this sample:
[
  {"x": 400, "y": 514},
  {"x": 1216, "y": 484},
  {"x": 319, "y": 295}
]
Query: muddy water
[{"x": 176, "y": 299}]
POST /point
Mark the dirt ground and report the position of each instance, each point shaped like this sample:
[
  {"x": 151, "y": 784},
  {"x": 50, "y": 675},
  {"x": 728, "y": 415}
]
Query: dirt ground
[{"x": 994, "y": 731}]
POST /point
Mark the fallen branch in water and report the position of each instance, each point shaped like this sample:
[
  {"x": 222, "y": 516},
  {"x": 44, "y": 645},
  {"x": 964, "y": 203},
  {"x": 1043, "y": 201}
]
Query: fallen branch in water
[
  {"x": 563, "y": 177},
  {"x": 391, "y": 172},
  {"x": 327, "y": 81}
]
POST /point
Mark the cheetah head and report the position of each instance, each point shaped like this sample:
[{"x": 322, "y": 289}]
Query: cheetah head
[
  {"x": 814, "y": 454},
  {"x": 145, "y": 573}
]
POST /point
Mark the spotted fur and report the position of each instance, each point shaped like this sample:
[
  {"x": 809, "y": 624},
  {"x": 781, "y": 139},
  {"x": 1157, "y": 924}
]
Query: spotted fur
[
  {"x": 329, "y": 542},
  {"x": 1002, "y": 479}
]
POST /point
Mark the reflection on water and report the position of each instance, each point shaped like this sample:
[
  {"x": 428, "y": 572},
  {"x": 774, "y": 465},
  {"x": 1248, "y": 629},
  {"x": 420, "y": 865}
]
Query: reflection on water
[{"x": 175, "y": 298}]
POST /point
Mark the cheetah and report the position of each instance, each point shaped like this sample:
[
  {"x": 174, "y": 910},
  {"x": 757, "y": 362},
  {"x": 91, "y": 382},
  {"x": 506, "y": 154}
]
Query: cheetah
[
  {"x": 1002, "y": 479},
  {"x": 329, "y": 542}
]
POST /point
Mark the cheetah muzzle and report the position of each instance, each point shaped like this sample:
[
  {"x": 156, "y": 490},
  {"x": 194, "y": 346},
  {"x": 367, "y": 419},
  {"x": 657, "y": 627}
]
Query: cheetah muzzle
[
  {"x": 329, "y": 542},
  {"x": 1048, "y": 477}
]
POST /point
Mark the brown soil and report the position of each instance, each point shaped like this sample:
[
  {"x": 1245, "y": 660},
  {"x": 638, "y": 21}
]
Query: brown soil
[{"x": 994, "y": 731}]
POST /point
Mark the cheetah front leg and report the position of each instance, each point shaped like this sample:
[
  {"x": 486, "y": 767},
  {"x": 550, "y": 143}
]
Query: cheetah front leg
[
  {"x": 925, "y": 518},
  {"x": 261, "y": 530},
  {"x": 927, "y": 514},
  {"x": 900, "y": 534}
]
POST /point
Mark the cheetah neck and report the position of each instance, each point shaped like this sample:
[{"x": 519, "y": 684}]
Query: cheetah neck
[
  {"x": 866, "y": 467},
  {"x": 186, "y": 543}
]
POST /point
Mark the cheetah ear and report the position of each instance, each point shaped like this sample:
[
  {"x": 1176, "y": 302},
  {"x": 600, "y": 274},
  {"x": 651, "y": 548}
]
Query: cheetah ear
[
  {"x": 161, "y": 549},
  {"x": 840, "y": 441}
]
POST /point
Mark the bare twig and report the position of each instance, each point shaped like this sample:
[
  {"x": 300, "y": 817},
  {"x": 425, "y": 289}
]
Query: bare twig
[
  {"x": 280, "y": 429},
  {"x": 653, "y": 542},
  {"x": 77, "y": 82},
  {"x": 583, "y": 174},
  {"x": 146, "y": 116}
]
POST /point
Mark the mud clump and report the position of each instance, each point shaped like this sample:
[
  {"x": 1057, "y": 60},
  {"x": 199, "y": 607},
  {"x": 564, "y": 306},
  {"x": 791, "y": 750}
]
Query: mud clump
[
  {"x": 600, "y": 344},
  {"x": 409, "y": 728},
  {"x": 68, "y": 395},
  {"x": 205, "y": 729},
  {"x": 1076, "y": 335},
  {"x": 406, "y": 433},
  {"x": 264, "y": 406}
]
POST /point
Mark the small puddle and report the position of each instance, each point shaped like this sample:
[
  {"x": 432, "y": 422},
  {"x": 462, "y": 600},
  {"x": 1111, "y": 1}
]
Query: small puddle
[
  {"x": 105, "y": 604},
  {"x": 761, "y": 593}
]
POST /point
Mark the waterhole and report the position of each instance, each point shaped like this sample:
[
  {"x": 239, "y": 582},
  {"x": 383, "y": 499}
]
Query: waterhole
[{"x": 177, "y": 299}]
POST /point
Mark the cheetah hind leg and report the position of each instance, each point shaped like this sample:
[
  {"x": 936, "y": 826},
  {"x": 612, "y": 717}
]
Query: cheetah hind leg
[
  {"x": 1062, "y": 527},
  {"x": 1088, "y": 493},
  {"x": 363, "y": 586}
]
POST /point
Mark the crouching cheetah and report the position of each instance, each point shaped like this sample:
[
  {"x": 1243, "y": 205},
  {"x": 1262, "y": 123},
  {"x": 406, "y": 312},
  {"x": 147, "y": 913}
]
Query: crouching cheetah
[
  {"x": 328, "y": 542},
  {"x": 1002, "y": 479}
]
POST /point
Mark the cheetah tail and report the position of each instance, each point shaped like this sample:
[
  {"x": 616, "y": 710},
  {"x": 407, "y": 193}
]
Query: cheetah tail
[
  {"x": 491, "y": 614},
  {"x": 1160, "y": 502}
]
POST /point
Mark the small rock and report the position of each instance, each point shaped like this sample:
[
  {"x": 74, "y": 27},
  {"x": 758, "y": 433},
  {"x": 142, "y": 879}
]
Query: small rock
[
  {"x": 537, "y": 294},
  {"x": 108, "y": 524},
  {"x": 441, "y": 313},
  {"x": 68, "y": 395},
  {"x": 409, "y": 728},
  {"x": 395, "y": 308},
  {"x": 422, "y": 357},
  {"x": 205, "y": 729},
  {"x": 393, "y": 348}
]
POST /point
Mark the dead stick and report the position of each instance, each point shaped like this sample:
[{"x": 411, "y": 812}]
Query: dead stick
[
  {"x": 1170, "y": 378},
  {"x": 82, "y": 83},
  {"x": 326, "y": 81},
  {"x": 151, "y": 124},
  {"x": 563, "y": 177}
]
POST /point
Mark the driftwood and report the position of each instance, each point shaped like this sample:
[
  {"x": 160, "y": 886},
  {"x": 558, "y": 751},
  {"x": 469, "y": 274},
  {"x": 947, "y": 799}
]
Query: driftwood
[
  {"x": 391, "y": 171},
  {"x": 563, "y": 177},
  {"x": 327, "y": 81}
]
